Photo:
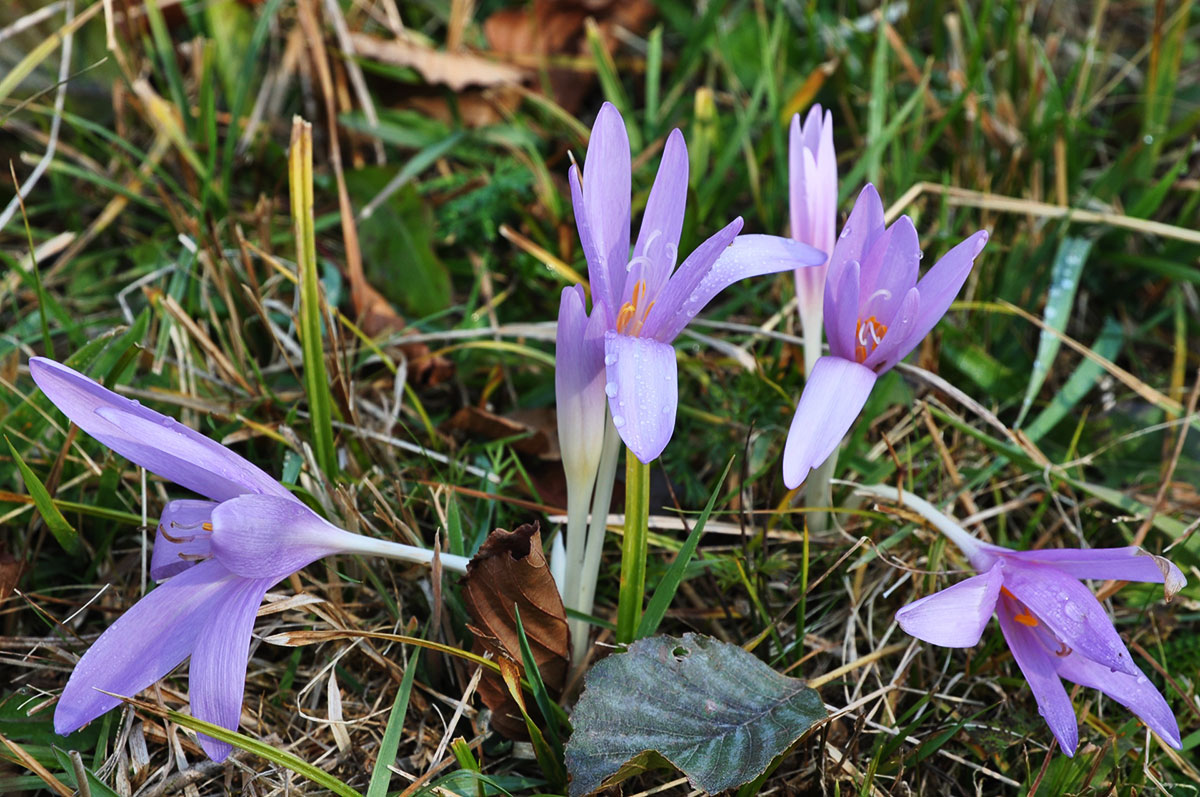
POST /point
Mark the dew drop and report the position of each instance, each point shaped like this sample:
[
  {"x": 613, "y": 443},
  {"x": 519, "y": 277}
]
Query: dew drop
[
  {"x": 845, "y": 231},
  {"x": 610, "y": 359},
  {"x": 618, "y": 420},
  {"x": 665, "y": 410},
  {"x": 1074, "y": 612},
  {"x": 1147, "y": 139},
  {"x": 1141, "y": 679},
  {"x": 611, "y": 389},
  {"x": 920, "y": 255},
  {"x": 1062, "y": 596}
]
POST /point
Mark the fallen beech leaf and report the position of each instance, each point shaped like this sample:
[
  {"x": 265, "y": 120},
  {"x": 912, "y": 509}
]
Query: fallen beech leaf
[
  {"x": 456, "y": 70},
  {"x": 556, "y": 27},
  {"x": 538, "y": 426},
  {"x": 510, "y": 572},
  {"x": 709, "y": 708}
]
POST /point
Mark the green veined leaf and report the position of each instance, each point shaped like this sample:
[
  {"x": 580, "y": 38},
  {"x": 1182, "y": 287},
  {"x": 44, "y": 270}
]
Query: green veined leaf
[{"x": 707, "y": 707}]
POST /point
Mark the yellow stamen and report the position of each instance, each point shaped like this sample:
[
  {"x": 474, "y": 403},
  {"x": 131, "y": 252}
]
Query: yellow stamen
[
  {"x": 631, "y": 317},
  {"x": 1026, "y": 617},
  {"x": 206, "y": 526},
  {"x": 869, "y": 334}
]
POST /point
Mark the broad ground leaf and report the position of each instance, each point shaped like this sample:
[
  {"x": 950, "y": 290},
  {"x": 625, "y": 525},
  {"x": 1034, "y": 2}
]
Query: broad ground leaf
[
  {"x": 708, "y": 708},
  {"x": 509, "y": 574}
]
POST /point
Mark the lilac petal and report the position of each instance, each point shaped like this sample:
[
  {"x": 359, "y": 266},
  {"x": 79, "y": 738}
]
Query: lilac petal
[
  {"x": 579, "y": 384},
  {"x": 217, "y": 673},
  {"x": 858, "y": 234},
  {"x": 147, "y": 438},
  {"x": 1121, "y": 564},
  {"x": 834, "y": 395},
  {"x": 181, "y": 540},
  {"x": 606, "y": 189},
  {"x": 697, "y": 282},
  {"x": 144, "y": 644},
  {"x": 264, "y": 537},
  {"x": 1133, "y": 691},
  {"x": 1069, "y": 610},
  {"x": 662, "y": 223},
  {"x": 942, "y": 283},
  {"x": 888, "y": 271},
  {"x": 1038, "y": 666},
  {"x": 841, "y": 311},
  {"x": 682, "y": 298},
  {"x": 899, "y": 328},
  {"x": 643, "y": 392},
  {"x": 956, "y": 616}
]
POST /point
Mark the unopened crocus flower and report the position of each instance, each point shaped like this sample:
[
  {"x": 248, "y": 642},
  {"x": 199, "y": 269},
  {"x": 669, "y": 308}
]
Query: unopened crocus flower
[
  {"x": 876, "y": 312},
  {"x": 644, "y": 301},
  {"x": 219, "y": 557},
  {"x": 1054, "y": 625},
  {"x": 813, "y": 199}
]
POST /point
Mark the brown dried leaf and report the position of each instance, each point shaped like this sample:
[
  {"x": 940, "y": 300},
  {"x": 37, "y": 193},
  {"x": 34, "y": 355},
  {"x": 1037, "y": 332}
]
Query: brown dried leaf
[
  {"x": 10, "y": 573},
  {"x": 510, "y": 571},
  {"x": 456, "y": 70},
  {"x": 539, "y": 426}
]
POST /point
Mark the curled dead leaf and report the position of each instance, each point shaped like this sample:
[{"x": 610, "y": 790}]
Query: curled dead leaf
[{"x": 510, "y": 573}]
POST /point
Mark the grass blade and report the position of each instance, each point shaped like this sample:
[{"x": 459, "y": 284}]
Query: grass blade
[
  {"x": 664, "y": 593},
  {"x": 381, "y": 776},
  {"x": 67, "y": 537},
  {"x": 316, "y": 382},
  {"x": 1064, "y": 281}
]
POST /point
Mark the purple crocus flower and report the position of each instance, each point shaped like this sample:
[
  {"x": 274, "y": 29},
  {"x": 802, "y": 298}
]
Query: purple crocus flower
[
  {"x": 1054, "y": 625},
  {"x": 813, "y": 195},
  {"x": 219, "y": 555},
  {"x": 643, "y": 304},
  {"x": 876, "y": 312}
]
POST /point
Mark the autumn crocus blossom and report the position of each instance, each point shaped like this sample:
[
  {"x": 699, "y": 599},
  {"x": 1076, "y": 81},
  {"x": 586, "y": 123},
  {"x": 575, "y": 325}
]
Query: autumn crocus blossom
[
  {"x": 1054, "y": 625},
  {"x": 643, "y": 300},
  {"x": 813, "y": 201},
  {"x": 876, "y": 312},
  {"x": 219, "y": 557}
]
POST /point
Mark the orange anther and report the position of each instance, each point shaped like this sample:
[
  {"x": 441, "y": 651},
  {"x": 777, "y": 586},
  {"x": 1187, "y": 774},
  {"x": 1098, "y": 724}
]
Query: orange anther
[
  {"x": 1025, "y": 617},
  {"x": 206, "y": 526}
]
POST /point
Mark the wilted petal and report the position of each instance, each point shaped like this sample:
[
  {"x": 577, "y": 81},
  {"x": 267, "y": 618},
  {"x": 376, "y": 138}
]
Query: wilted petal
[
  {"x": 956, "y": 616},
  {"x": 181, "y": 540},
  {"x": 144, "y": 644},
  {"x": 1122, "y": 564},
  {"x": 217, "y": 673},
  {"x": 833, "y": 396},
  {"x": 942, "y": 283},
  {"x": 263, "y": 537},
  {"x": 1038, "y": 666},
  {"x": 605, "y": 194},
  {"x": 159, "y": 444},
  {"x": 579, "y": 384},
  {"x": 1069, "y": 610},
  {"x": 1133, "y": 691},
  {"x": 642, "y": 392},
  {"x": 662, "y": 223}
]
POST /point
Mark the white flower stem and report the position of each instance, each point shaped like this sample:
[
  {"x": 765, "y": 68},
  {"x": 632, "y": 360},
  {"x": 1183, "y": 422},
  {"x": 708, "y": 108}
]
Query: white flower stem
[
  {"x": 601, "y": 501},
  {"x": 971, "y": 547},
  {"x": 405, "y": 553}
]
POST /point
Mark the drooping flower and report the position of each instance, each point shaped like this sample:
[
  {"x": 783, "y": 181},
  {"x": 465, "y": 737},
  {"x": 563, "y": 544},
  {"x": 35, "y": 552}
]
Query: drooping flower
[
  {"x": 218, "y": 556},
  {"x": 1054, "y": 625},
  {"x": 813, "y": 195},
  {"x": 644, "y": 305},
  {"x": 876, "y": 312}
]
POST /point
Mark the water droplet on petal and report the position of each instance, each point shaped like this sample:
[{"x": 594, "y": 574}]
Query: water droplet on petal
[
  {"x": 618, "y": 420},
  {"x": 665, "y": 410},
  {"x": 611, "y": 389},
  {"x": 845, "y": 230},
  {"x": 1074, "y": 612},
  {"x": 610, "y": 359}
]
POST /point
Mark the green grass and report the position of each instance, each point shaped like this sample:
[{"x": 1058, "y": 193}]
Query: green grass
[{"x": 168, "y": 269}]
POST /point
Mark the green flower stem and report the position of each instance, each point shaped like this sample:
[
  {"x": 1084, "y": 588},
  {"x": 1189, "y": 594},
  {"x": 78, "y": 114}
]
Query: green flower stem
[{"x": 634, "y": 547}]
